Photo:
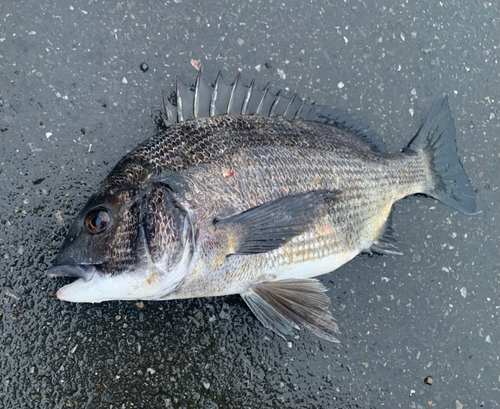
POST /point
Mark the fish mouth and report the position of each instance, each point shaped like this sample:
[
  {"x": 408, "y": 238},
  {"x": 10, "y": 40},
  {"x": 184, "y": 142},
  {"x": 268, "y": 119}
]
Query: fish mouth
[
  {"x": 82, "y": 271},
  {"x": 93, "y": 286}
]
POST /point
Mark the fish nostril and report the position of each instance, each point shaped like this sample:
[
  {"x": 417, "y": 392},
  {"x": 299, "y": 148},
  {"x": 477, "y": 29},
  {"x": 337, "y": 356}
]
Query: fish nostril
[{"x": 77, "y": 271}]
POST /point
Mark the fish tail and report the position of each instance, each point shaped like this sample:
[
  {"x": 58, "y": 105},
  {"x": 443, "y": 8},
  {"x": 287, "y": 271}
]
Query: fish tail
[{"x": 436, "y": 140}]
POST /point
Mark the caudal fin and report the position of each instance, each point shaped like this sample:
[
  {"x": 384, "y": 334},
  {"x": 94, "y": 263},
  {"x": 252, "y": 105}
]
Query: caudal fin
[{"x": 436, "y": 139}]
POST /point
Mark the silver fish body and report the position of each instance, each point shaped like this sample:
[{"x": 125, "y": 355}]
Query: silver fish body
[{"x": 255, "y": 205}]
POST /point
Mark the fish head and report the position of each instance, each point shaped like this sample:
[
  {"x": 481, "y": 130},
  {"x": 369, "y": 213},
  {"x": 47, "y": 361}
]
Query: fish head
[{"x": 126, "y": 244}]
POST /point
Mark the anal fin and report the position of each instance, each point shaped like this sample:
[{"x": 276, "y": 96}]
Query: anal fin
[
  {"x": 294, "y": 303},
  {"x": 386, "y": 242}
]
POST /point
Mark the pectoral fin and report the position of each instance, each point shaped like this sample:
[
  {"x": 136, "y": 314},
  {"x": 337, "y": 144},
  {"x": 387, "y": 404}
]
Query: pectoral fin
[
  {"x": 269, "y": 226},
  {"x": 294, "y": 303}
]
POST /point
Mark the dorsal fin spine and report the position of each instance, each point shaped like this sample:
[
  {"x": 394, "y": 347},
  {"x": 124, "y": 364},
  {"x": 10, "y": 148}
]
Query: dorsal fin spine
[
  {"x": 170, "y": 111},
  {"x": 275, "y": 103},
  {"x": 299, "y": 111},
  {"x": 292, "y": 100},
  {"x": 214, "y": 94},
  {"x": 231, "y": 98},
  {"x": 264, "y": 93},
  {"x": 196, "y": 102},
  {"x": 180, "y": 118},
  {"x": 244, "y": 110}
]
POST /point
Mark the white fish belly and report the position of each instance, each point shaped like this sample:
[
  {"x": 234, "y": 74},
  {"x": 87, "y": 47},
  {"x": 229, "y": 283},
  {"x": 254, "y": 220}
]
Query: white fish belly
[{"x": 312, "y": 268}]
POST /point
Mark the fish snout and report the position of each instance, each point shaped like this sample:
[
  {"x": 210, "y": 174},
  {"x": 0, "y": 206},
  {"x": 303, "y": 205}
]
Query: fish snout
[{"x": 77, "y": 271}]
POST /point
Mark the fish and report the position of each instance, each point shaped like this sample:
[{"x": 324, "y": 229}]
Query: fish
[{"x": 249, "y": 192}]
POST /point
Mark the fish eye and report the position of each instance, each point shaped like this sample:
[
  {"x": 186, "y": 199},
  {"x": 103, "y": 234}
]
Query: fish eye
[{"x": 97, "y": 221}]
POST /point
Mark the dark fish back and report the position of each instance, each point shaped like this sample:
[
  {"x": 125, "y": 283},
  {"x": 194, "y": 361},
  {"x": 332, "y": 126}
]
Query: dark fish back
[{"x": 195, "y": 142}]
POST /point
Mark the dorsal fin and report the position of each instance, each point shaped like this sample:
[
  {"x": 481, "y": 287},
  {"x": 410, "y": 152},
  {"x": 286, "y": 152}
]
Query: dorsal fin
[
  {"x": 239, "y": 99},
  {"x": 343, "y": 120}
]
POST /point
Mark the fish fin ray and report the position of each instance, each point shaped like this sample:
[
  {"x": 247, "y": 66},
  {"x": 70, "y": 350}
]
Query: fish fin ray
[
  {"x": 294, "y": 303},
  {"x": 436, "y": 139},
  {"x": 170, "y": 115},
  {"x": 280, "y": 106},
  {"x": 275, "y": 103},
  {"x": 220, "y": 96},
  {"x": 237, "y": 98},
  {"x": 267, "y": 315},
  {"x": 245, "y": 107},
  {"x": 185, "y": 100},
  {"x": 202, "y": 95},
  {"x": 254, "y": 100},
  {"x": 293, "y": 107},
  {"x": 265, "y": 102},
  {"x": 271, "y": 225}
]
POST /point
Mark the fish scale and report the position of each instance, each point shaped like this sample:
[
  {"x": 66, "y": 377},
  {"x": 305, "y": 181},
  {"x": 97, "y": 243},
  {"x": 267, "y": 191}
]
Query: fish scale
[{"x": 255, "y": 205}]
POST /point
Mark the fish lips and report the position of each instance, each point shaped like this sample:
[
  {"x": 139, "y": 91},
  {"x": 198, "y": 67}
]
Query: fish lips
[
  {"x": 83, "y": 271},
  {"x": 84, "y": 274}
]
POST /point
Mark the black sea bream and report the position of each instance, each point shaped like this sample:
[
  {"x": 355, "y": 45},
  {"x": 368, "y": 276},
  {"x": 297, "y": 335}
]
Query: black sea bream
[{"x": 251, "y": 193}]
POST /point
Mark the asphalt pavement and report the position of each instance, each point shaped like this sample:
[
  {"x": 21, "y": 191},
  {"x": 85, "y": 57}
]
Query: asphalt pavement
[{"x": 81, "y": 84}]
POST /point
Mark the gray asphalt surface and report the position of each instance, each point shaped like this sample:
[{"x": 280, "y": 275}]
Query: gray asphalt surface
[{"x": 73, "y": 100}]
